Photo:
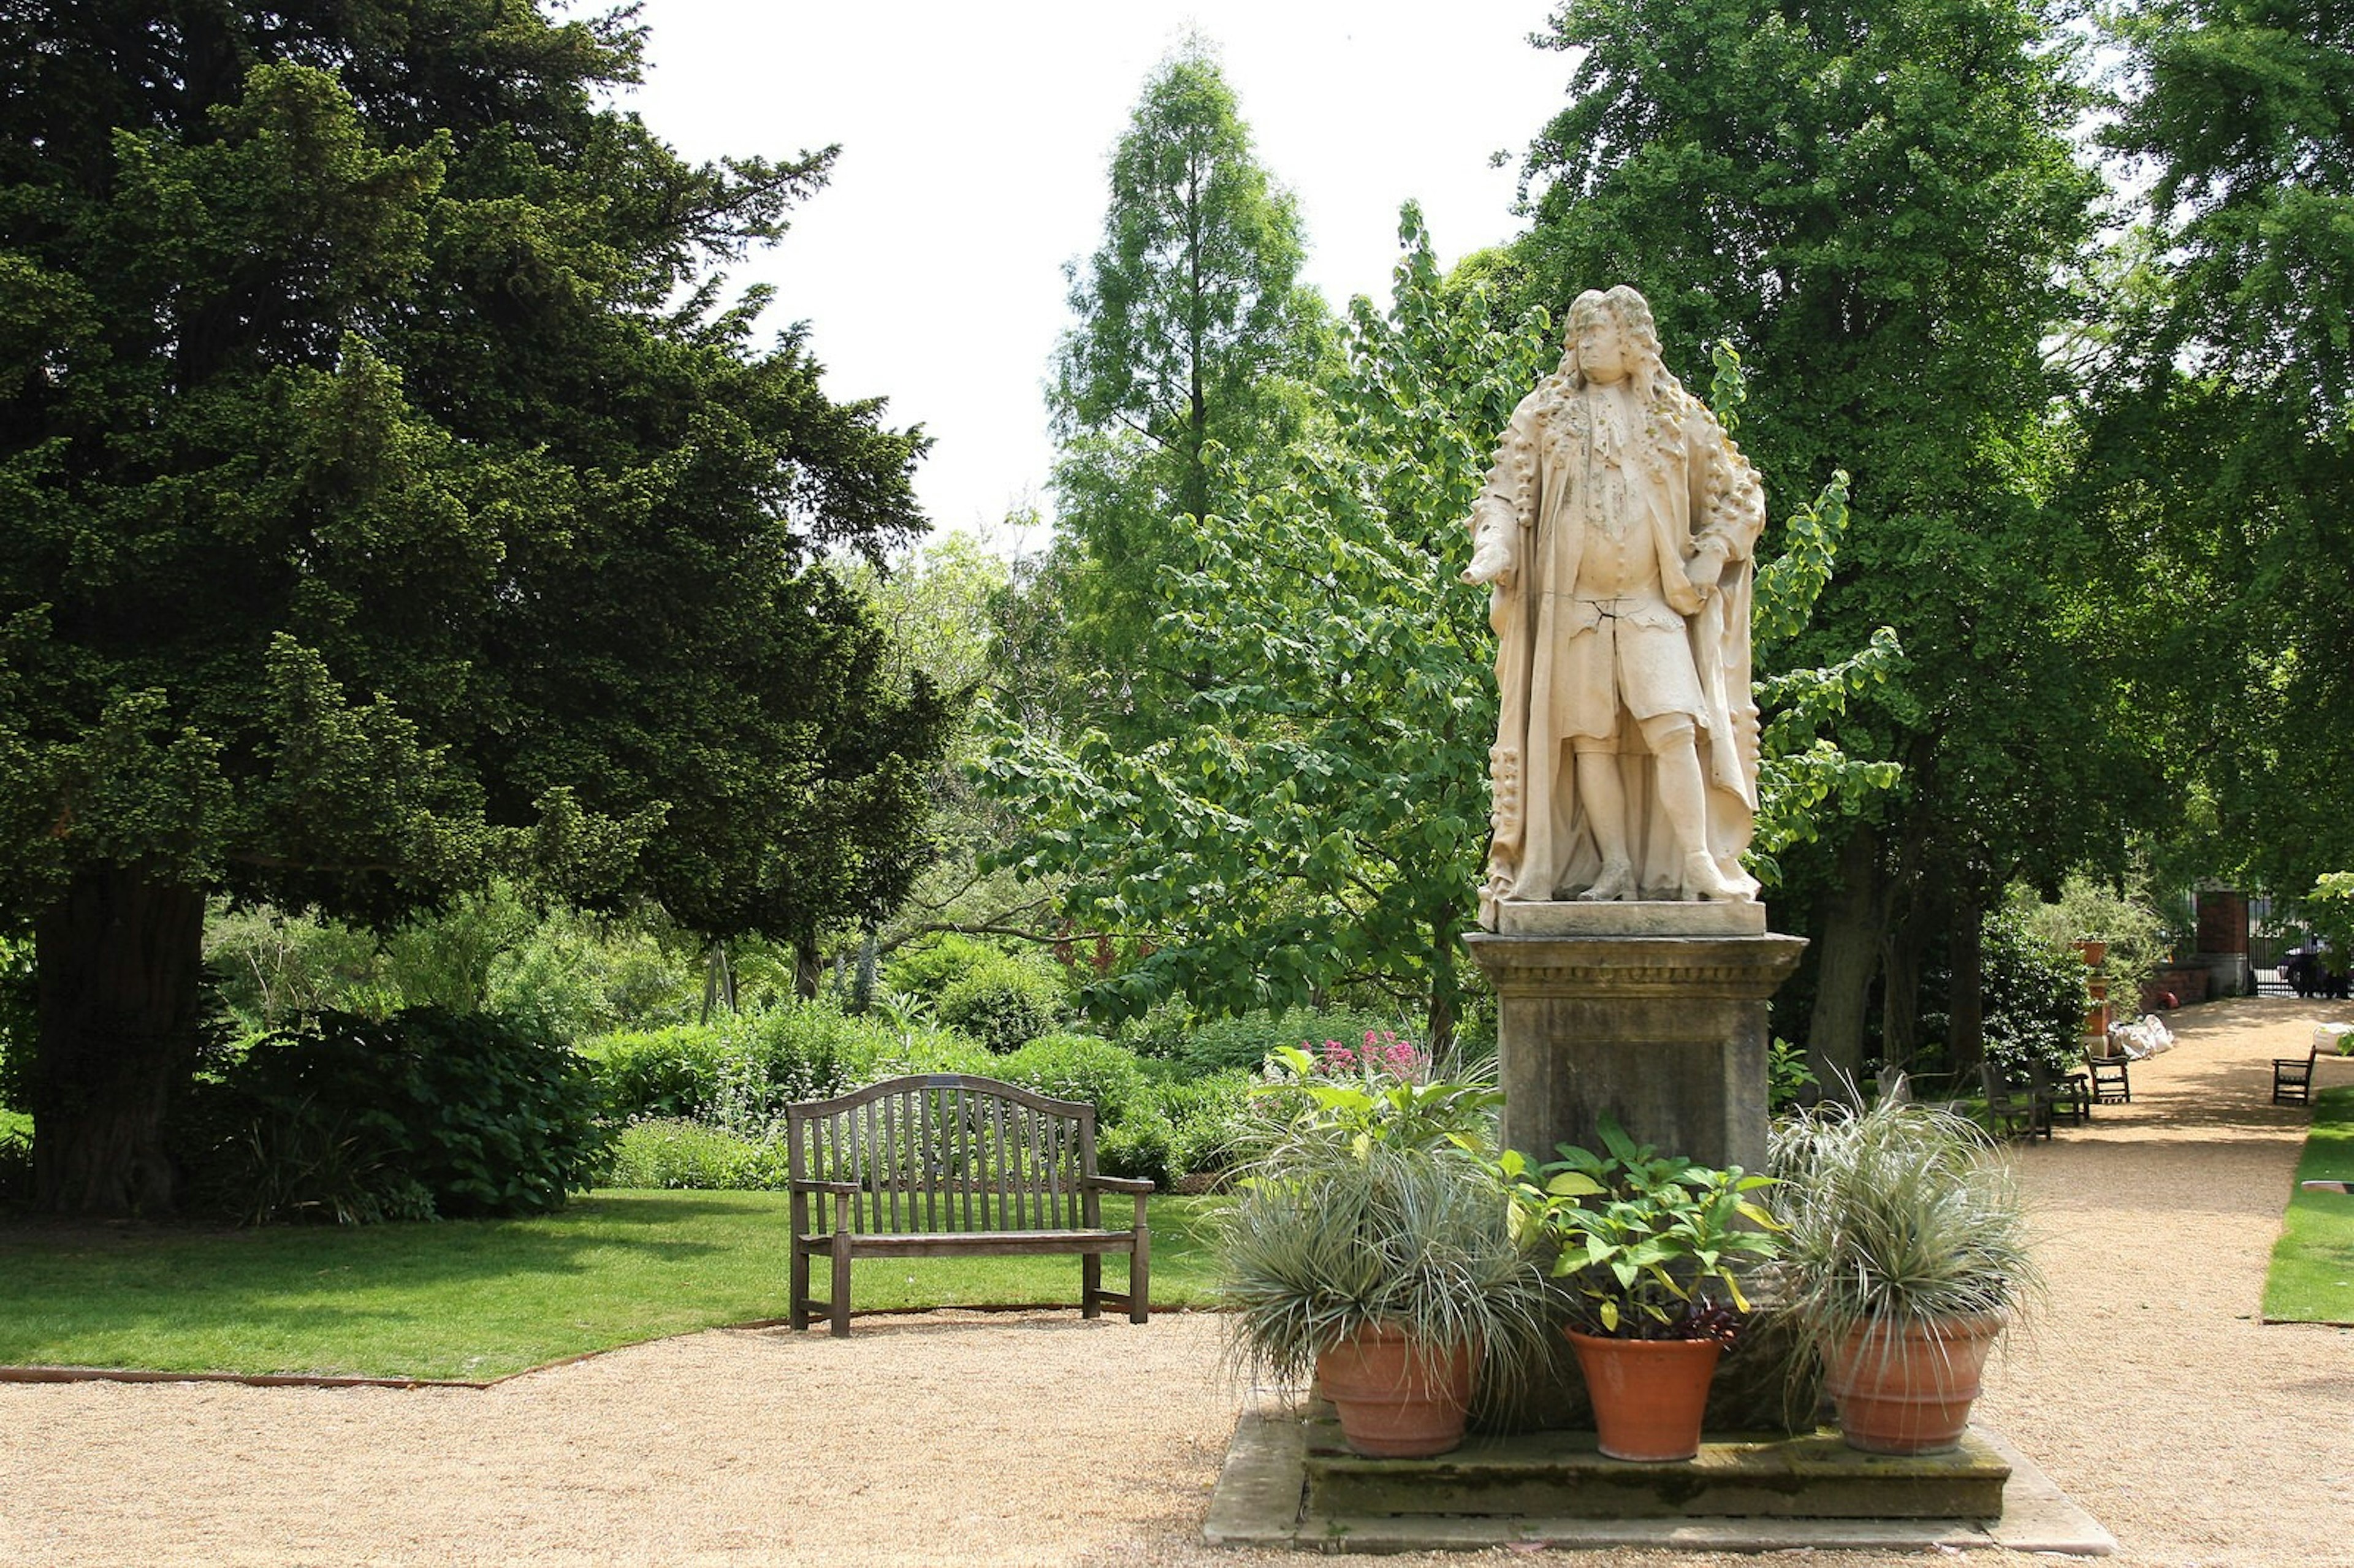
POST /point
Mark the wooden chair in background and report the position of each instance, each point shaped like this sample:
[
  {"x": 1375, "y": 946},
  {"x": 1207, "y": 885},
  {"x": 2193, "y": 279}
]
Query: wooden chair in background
[
  {"x": 2111, "y": 1085},
  {"x": 2013, "y": 1111}
]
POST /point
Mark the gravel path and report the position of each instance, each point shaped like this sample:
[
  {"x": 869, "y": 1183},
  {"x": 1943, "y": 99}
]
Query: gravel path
[{"x": 2150, "y": 1393}]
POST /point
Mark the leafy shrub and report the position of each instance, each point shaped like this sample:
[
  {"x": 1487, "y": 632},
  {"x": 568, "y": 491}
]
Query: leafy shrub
[
  {"x": 1004, "y": 1004},
  {"x": 687, "y": 1155},
  {"x": 19, "y": 1024},
  {"x": 2126, "y": 918},
  {"x": 925, "y": 970},
  {"x": 1787, "y": 1077},
  {"x": 1079, "y": 1067},
  {"x": 1213, "y": 1120},
  {"x": 653, "y": 1073},
  {"x": 2034, "y": 995},
  {"x": 492, "y": 950},
  {"x": 426, "y": 1112},
  {"x": 1137, "y": 1146},
  {"x": 15, "y": 1165},
  {"x": 269, "y": 967}
]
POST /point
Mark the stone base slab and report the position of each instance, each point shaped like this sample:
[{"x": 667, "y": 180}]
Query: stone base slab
[
  {"x": 1630, "y": 919},
  {"x": 1809, "y": 1476},
  {"x": 1263, "y": 1499}
]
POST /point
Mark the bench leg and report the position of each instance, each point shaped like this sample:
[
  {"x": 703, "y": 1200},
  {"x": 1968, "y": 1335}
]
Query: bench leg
[
  {"x": 1091, "y": 1285},
  {"x": 841, "y": 1285},
  {"x": 797, "y": 1310},
  {"x": 1139, "y": 1271}
]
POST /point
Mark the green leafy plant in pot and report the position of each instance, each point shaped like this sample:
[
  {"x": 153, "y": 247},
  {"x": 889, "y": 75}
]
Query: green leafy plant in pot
[
  {"x": 1372, "y": 1244},
  {"x": 1650, "y": 1245},
  {"x": 1905, "y": 1260}
]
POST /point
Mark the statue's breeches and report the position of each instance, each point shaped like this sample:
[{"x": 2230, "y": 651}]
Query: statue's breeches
[{"x": 1623, "y": 657}]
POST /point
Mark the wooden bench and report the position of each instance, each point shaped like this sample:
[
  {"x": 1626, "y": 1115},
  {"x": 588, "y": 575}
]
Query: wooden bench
[
  {"x": 2292, "y": 1076},
  {"x": 947, "y": 1163},
  {"x": 2012, "y": 1109}
]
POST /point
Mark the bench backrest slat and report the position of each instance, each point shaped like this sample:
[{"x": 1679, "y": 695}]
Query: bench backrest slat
[{"x": 948, "y": 1151}]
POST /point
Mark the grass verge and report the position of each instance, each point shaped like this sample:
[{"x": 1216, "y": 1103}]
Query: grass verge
[
  {"x": 479, "y": 1298},
  {"x": 2312, "y": 1275}
]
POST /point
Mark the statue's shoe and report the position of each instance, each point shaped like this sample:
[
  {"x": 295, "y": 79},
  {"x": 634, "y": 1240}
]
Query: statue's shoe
[
  {"x": 1616, "y": 881},
  {"x": 1705, "y": 878}
]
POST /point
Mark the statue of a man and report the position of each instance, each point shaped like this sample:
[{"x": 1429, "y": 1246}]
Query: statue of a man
[{"x": 1616, "y": 532}]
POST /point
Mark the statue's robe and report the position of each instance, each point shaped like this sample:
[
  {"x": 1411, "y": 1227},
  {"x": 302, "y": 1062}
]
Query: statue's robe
[{"x": 1690, "y": 485}]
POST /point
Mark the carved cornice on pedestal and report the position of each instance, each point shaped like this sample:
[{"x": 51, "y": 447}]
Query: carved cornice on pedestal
[{"x": 1730, "y": 968}]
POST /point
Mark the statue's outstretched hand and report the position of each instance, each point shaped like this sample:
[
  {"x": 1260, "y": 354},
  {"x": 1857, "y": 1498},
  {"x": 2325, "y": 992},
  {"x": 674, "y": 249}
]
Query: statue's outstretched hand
[{"x": 1491, "y": 556}]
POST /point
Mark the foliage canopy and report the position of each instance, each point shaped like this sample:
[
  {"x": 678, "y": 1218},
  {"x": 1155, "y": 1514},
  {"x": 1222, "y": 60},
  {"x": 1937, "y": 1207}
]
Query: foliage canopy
[{"x": 1317, "y": 813}]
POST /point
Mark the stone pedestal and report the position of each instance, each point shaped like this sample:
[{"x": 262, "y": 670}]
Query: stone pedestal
[{"x": 1654, "y": 1013}]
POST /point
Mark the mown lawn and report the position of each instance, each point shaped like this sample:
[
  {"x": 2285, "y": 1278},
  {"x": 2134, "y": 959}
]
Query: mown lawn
[
  {"x": 478, "y": 1298},
  {"x": 2312, "y": 1274}
]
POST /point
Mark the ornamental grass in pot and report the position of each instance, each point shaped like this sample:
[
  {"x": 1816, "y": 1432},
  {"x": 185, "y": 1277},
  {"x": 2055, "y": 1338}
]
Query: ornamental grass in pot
[
  {"x": 1905, "y": 1261},
  {"x": 1650, "y": 1245},
  {"x": 1371, "y": 1244}
]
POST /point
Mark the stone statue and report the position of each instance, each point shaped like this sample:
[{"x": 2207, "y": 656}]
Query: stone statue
[{"x": 1616, "y": 532}]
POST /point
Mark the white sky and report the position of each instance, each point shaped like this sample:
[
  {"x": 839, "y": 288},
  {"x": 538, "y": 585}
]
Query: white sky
[{"x": 976, "y": 139}]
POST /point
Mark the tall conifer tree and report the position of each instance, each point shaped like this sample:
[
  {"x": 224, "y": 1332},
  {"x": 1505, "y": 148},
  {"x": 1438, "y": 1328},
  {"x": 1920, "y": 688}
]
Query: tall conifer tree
[
  {"x": 1183, "y": 377},
  {"x": 390, "y": 506}
]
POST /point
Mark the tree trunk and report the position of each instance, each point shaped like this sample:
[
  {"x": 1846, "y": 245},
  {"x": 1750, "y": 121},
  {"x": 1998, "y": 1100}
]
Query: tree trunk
[
  {"x": 1899, "y": 994},
  {"x": 1446, "y": 992},
  {"x": 119, "y": 957},
  {"x": 1908, "y": 913},
  {"x": 1965, "y": 1041},
  {"x": 718, "y": 981},
  {"x": 1851, "y": 955},
  {"x": 809, "y": 966}
]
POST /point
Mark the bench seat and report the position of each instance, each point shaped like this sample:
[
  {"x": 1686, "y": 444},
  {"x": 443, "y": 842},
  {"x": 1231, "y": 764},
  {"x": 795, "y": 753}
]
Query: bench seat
[{"x": 1002, "y": 1242}]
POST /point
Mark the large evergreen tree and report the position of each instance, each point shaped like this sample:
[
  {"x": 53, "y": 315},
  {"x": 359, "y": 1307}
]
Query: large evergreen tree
[
  {"x": 1877, "y": 202},
  {"x": 388, "y": 504},
  {"x": 1183, "y": 376}
]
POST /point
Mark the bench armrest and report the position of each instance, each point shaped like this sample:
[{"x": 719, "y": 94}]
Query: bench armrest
[
  {"x": 1137, "y": 1185},
  {"x": 847, "y": 1188}
]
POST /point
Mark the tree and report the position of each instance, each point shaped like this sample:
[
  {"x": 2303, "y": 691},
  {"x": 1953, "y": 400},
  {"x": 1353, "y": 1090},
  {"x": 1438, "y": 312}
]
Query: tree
[
  {"x": 1877, "y": 203},
  {"x": 1316, "y": 815},
  {"x": 2221, "y": 445},
  {"x": 1193, "y": 337},
  {"x": 392, "y": 507},
  {"x": 954, "y": 611}
]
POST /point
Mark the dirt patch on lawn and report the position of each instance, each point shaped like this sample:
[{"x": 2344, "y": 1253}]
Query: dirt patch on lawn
[{"x": 2150, "y": 1393}]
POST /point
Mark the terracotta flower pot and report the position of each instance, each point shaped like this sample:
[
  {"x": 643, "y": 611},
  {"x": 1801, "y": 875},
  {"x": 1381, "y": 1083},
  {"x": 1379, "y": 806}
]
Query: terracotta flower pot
[
  {"x": 1649, "y": 1394},
  {"x": 1397, "y": 1400},
  {"x": 1908, "y": 1389}
]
